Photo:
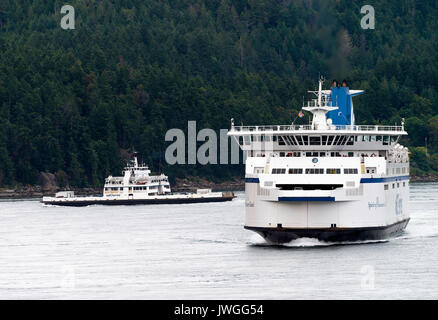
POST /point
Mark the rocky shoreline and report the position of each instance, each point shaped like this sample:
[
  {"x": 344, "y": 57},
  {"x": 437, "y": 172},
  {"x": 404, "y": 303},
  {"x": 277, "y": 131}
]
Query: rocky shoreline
[{"x": 425, "y": 178}]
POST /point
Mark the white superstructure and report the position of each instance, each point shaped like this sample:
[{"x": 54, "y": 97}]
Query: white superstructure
[
  {"x": 136, "y": 183},
  {"x": 332, "y": 180}
]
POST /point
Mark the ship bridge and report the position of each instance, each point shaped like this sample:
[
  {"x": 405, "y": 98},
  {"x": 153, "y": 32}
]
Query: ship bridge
[{"x": 332, "y": 133}]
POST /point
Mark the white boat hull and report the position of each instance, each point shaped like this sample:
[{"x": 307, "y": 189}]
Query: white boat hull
[{"x": 330, "y": 215}]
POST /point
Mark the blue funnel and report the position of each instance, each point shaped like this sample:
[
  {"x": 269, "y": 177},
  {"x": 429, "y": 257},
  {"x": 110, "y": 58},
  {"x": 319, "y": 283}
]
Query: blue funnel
[{"x": 342, "y": 98}]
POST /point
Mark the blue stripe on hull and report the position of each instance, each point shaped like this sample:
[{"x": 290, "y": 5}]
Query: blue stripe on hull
[
  {"x": 306, "y": 198},
  {"x": 386, "y": 179}
]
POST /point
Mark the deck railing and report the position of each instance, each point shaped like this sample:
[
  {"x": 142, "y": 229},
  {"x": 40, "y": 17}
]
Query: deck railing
[{"x": 310, "y": 127}]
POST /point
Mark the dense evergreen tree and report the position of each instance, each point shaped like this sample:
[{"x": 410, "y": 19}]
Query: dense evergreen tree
[{"x": 75, "y": 102}]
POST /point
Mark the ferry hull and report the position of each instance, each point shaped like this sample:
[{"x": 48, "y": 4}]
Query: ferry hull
[
  {"x": 286, "y": 235},
  {"x": 124, "y": 202}
]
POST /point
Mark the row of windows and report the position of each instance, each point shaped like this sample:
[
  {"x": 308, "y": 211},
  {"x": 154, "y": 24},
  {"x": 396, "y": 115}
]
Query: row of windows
[
  {"x": 315, "y": 171},
  {"x": 400, "y": 170},
  {"x": 386, "y": 187},
  {"x": 317, "y": 154},
  {"x": 113, "y": 189},
  {"x": 130, "y": 188},
  {"x": 317, "y": 140},
  {"x": 278, "y": 171}
]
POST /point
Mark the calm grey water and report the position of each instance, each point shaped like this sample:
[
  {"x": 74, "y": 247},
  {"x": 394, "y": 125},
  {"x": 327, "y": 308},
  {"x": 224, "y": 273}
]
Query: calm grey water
[{"x": 201, "y": 251}]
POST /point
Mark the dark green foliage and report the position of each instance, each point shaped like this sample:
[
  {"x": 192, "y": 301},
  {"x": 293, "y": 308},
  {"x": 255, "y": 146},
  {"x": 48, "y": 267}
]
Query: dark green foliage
[{"x": 73, "y": 102}]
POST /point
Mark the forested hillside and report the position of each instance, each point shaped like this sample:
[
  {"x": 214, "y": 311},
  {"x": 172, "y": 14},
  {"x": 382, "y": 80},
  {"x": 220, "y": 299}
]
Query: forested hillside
[{"x": 76, "y": 102}]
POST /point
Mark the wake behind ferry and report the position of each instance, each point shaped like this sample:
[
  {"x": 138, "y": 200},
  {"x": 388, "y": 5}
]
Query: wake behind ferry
[
  {"x": 137, "y": 186},
  {"x": 331, "y": 180}
]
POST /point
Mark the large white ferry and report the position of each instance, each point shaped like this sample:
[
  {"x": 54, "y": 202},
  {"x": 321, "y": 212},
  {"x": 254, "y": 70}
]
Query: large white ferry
[
  {"x": 137, "y": 186},
  {"x": 332, "y": 180}
]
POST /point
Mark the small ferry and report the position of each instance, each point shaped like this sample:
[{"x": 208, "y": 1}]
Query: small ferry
[
  {"x": 332, "y": 179},
  {"x": 137, "y": 186}
]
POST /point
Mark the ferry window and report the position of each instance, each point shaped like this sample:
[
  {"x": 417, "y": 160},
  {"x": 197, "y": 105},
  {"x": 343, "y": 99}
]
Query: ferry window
[
  {"x": 295, "y": 171},
  {"x": 322, "y": 154},
  {"x": 314, "y": 171},
  {"x": 246, "y": 139},
  {"x": 324, "y": 140},
  {"x": 306, "y": 140},
  {"x": 385, "y": 187},
  {"x": 404, "y": 184},
  {"x": 350, "y": 141},
  {"x": 398, "y": 185},
  {"x": 259, "y": 170},
  {"x": 300, "y": 140},
  {"x": 314, "y": 154},
  {"x": 393, "y": 185},
  {"x": 281, "y": 141},
  {"x": 333, "y": 171},
  {"x": 372, "y": 138},
  {"x": 290, "y": 139},
  {"x": 274, "y": 138},
  {"x": 338, "y": 154},
  {"x": 308, "y": 154},
  {"x": 342, "y": 140},
  {"x": 351, "y": 154},
  {"x": 385, "y": 140},
  {"x": 379, "y": 138},
  {"x": 365, "y": 138},
  {"x": 350, "y": 171},
  {"x": 282, "y": 154},
  {"x": 297, "y": 154},
  {"x": 330, "y": 140},
  {"x": 393, "y": 139},
  {"x": 315, "y": 141},
  {"x": 337, "y": 138}
]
